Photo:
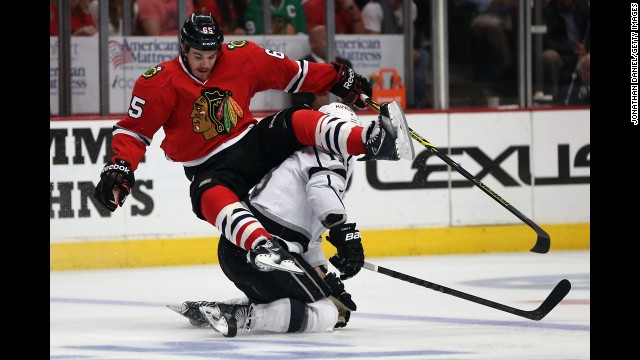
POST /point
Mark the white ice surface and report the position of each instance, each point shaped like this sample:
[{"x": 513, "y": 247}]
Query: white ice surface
[{"x": 121, "y": 314}]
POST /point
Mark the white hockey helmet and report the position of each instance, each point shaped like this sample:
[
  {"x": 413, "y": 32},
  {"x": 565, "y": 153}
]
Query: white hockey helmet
[{"x": 340, "y": 110}]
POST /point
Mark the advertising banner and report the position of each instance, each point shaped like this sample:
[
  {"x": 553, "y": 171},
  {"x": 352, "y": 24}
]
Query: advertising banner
[
  {"x": 129, "y": 57},
  {"x": 537, "y": 161}
]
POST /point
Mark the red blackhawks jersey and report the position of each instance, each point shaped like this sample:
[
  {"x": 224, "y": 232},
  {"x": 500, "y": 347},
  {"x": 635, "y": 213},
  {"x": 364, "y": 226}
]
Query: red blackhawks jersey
[{"x": 199, "y": 118}]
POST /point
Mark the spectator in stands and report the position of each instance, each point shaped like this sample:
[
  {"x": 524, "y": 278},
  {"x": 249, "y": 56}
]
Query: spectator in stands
[
  {"x": 115, "y": 15},
  {"x": 564, "y": 43},
  {"x": 347, "y": 16},
  {"x": 53, "y": 18},
  {"x": 159, "y": 17},
  {"x": 82, "y": 23},
  {"x": 493, "y": 36},
  {"x": 494, "y": 23},
  {"x": 229, "y": 14},
  {"x": 287, "y": 17},
  {"x": 386, "y": 17},
  {"x": 318, "y": 46},
  {"x": 422, "y": 39},
  {"x": 579, "y": 92}
]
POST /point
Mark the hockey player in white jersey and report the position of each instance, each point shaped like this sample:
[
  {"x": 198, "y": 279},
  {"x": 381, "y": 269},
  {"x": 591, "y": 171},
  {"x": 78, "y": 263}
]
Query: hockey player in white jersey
[{"x": 296, "y": 202}]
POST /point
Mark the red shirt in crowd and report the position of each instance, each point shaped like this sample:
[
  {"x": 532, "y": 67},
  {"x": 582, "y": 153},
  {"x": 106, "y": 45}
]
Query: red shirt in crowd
[
  {"x": 79, "y": 19},
  {"x": 315, "y": 11},
  {"x": 165, "y": 12},
  {"x": 211, "y": 6}
]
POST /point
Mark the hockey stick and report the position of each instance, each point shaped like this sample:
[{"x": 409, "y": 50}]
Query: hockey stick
[
  {"x": 543, "y": 241},
  {"x": 557, "y": 294}
]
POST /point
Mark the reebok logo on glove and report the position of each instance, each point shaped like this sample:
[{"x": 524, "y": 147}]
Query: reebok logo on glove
[
  {"x": 347, "y": 84},
  {"x": 116, "y": 182},
  {"x": 350, "y": 85},
  {"x": 122, "y": 168}
]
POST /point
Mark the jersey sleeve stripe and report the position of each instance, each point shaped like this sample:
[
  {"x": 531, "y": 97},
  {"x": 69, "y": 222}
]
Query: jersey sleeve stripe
[
  {"x": 298, "y": 79},
  {"x": 120, "y": 130}
]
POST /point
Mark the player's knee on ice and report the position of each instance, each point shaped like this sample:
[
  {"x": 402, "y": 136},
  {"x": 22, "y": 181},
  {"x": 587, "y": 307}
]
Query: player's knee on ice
[{"x": 294, "y": 316}]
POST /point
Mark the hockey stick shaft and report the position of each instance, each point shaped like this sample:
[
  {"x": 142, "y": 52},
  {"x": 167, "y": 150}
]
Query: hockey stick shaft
[
  {"x": 557, "y": 294},
  {"x": 543, "y": 241}
]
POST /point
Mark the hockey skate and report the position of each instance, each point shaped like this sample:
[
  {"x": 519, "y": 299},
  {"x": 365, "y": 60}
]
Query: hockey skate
[
  {"x": 191, "y": 310},
  {"x": 227, "y": 319},
  {"x": 388, "y": 138},
  {"x": 269, "y": 255}
]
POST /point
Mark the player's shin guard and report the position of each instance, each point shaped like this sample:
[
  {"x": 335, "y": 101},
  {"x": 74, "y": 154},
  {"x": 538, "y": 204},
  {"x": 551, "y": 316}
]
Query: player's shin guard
[
  {"x": 332, "y": 134},
  {"x": 323, "y": 315},
  {"x": 335, "y": 135},
  {"x": 220, "y": 208},
  {"x": 294, "y": 316},
  {"x": 239, "y": 225}
]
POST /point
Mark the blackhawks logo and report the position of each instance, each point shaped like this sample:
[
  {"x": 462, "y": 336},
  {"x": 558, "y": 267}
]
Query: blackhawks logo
[
  {"x": 152, "y": 72},
  {"x": 215, "y": 112}
]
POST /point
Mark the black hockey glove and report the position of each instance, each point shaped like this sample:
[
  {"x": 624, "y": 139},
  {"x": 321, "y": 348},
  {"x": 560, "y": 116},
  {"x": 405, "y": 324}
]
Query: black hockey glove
[
  {"x": 269, "y": 255},
  {"x": 350, "y": 256},
  {"x": 350, "y": 85},
  {"x": 116, "y": 182},
  {"x": 341, "y": 299}
]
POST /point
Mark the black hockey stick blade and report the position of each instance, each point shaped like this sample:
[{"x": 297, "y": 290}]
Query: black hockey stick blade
[
  {"x": 543, "y": 241},
  {"x": 557, "y": 294}
]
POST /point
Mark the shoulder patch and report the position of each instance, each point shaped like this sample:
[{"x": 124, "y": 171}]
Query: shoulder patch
[
  {"x": 152, "y": 72},
  {"x": 236, "y": 44}
]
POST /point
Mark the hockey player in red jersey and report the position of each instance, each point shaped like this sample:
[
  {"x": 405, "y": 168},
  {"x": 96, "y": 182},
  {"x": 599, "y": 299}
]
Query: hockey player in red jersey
[{"x": 201, "y": 101}]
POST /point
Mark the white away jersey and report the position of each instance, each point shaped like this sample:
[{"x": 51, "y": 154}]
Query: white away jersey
[{"x": 302, "y": 191}]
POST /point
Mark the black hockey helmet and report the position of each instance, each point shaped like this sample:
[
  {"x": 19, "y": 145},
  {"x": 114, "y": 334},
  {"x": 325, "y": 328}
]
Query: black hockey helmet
[{"x": 202, "y": 32}]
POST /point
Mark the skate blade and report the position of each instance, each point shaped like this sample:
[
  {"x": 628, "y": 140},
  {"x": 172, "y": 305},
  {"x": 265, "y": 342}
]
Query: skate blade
[
  {"x": 285, "y": 265},
  {"x": 403, "y": 142},
  {"x": 176, "y": 308},
  {"x": 217, "y": 321}
]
